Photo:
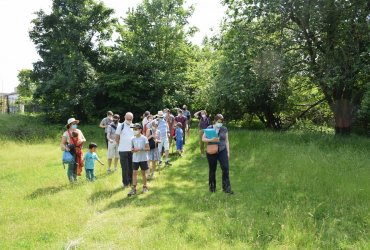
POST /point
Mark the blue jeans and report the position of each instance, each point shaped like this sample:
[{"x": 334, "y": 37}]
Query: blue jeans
[
  {"x": 72, "y": 171},
  {"x": 125, "y": 159},
  {"x": 90, "y": 174},
  {"x": 224, "y": 162}
]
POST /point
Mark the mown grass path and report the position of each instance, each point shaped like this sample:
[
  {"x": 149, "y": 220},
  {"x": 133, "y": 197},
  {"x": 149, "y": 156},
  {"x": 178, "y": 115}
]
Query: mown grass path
[{"x": 292, "y": 191}]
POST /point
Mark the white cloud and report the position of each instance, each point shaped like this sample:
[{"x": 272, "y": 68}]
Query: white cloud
[{"x": 18, "y": 52}]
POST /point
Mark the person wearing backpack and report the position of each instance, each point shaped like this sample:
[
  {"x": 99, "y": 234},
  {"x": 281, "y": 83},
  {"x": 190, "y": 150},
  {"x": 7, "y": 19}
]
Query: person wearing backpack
[
  {"x": 112, "y": 152},
  {"x": 105, "y": 124},
  {"x": 72, "y": 141},
  {"x": 124, "y": 134},
  {"x": 154, "y": 137}
]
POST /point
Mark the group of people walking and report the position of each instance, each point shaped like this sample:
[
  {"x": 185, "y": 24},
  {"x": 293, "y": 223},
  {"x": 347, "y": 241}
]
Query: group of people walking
[{"x": 144, "y": 145}]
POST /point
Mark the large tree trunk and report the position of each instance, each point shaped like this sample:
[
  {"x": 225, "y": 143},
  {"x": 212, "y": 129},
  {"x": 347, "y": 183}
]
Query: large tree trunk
[{"x": 343, "y": 113}]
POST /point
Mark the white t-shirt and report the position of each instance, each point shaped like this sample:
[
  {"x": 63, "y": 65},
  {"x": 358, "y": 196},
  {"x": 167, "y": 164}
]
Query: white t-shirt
[
  {"x": 140, "y": 142},
  {"x": 125, "y": 137}
]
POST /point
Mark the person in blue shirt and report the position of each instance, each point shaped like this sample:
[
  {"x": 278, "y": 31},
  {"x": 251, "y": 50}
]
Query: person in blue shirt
[
  {"x": 179, "y": 133},
  {"x": 89, "y": 159}
]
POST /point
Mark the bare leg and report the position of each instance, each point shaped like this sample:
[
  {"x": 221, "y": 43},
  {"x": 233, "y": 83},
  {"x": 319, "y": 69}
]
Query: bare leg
[
  {"x": 143, "y": 174},
  {"x": 134, "y": 178},
  {"x": 167, "y": 153},
  {"x": 115, "y": 163},
  {"x": 110, "y": 163}
]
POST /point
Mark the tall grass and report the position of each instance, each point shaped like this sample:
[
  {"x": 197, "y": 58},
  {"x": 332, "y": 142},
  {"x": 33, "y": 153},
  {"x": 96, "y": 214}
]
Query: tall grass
[{"x": 292, "y": 191}]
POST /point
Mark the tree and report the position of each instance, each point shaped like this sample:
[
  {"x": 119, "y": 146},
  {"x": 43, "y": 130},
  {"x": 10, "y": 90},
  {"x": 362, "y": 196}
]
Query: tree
[
  {"x": 148, "y": 68},
  {"x": 69, "y": 42},
  {"x": 330, "y": 40},
  {"x": 26, "y": 88}
]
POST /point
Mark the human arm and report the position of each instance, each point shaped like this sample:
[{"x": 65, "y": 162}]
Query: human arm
[
  {"x": 196, "y": 114},
  {"x": 63, "y": 143},
  {"x": 97, "y": 158},
  {"x": 227, "y": 145},
  {"x": 102, "y": 124},
  {"x": 205, "y": 139},
  {"x": 109, "y": 135},
  {"x": 119, "y": 128},
  {"x": 149, "y": 135}
]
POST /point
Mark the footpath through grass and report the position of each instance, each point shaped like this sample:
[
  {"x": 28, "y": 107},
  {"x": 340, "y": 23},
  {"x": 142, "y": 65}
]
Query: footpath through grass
[{"x": 292, "y": 191}]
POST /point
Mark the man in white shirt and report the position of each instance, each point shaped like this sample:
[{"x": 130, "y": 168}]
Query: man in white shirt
[{"x": 124, "y": 134}]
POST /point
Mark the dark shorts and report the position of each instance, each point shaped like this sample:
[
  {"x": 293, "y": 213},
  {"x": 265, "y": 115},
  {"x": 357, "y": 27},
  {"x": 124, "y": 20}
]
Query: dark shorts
[{"x": 143, "y": 165}]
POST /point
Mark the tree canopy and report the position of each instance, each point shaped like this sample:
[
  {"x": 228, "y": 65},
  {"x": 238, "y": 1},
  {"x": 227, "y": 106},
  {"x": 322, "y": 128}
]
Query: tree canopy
[{"x": 275, "y": 61}]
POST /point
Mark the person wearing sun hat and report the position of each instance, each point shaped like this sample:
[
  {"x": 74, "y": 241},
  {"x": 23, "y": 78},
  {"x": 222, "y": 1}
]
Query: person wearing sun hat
[{"x": 72, "y": 140}]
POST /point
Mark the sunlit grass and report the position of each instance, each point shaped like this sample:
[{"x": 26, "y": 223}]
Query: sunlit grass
[{"x": 292, "y": 191}]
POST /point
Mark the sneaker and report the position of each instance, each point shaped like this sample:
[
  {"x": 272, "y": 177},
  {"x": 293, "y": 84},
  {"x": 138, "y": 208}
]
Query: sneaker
[
  {"x": 160, "y": 163},
  {"x": 168, "y": 164},
  {"x": 115, "y": 169},
  {"x": 145, "y": 190},
  {"x": 108, "y": 171},
  {"x": 132, "y": 192}
]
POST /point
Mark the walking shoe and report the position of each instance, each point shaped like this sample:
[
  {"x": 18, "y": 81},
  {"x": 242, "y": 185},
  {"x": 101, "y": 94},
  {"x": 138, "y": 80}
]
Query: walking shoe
[
  {"x": 168, "y": 164},
  {"x": 145, "y": 190},
  {"x": 160, "y": 163},
  {"x": 228, "y": 191},
  {"x": 132, "y": 192},
  {"x": 108, "y": 171}
]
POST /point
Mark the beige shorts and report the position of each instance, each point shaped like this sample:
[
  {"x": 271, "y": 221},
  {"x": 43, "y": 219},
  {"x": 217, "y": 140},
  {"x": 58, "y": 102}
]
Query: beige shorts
[{"x": 112, "y": 150}]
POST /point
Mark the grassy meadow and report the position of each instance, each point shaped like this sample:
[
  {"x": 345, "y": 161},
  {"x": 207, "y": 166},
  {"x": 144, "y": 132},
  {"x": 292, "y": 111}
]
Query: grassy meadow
[{"x": 293, "y": 190}]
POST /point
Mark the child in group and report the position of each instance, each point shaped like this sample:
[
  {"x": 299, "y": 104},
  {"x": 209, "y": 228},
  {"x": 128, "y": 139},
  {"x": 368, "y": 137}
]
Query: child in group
[
  {"x": 89, "y": 159},
  {"x": 154, "y": 137},
  {"x": 179, "y": 133},
  {"x": 140, "y": 148}
]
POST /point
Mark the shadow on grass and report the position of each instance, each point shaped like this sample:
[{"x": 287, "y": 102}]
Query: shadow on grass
[
  {"x": 40, "y": 192},
  {"x": 105, "y": 194}
]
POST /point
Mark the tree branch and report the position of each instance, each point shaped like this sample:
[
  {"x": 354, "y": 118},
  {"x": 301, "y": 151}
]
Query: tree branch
[{"x": 305, "y": 112}]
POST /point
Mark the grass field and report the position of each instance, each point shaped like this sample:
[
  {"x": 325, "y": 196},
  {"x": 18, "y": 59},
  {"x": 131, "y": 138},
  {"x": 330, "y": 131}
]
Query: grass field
[{"x": 293, "y": 190}]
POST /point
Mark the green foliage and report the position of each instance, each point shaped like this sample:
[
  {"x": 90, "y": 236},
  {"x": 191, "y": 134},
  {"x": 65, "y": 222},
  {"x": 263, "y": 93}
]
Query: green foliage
[
  {"x": 292, "y": 190},
  {"x": 69, "y": 41},
  {"x": 148, "y": 67},
  {"x": 327, "y": 41}
]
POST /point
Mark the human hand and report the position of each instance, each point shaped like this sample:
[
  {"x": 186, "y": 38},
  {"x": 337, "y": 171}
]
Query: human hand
[{"x": 216, "y": 139}]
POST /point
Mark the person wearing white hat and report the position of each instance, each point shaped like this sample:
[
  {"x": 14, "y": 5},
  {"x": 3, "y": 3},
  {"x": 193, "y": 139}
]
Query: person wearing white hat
[
  {"x": 165, "y": 133},
  {"x": 72, "y": 140}
]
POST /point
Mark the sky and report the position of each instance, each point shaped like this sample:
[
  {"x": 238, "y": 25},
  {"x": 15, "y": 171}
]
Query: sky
[{"x": 18, "y": 52}]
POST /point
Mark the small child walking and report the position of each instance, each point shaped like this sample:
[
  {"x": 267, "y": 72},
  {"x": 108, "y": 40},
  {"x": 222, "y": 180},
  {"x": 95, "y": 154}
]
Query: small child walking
[
  {"x": 89, "y": 159},
  {"x": 140, "y": 148},
  {"x": 179, "y": 133}
]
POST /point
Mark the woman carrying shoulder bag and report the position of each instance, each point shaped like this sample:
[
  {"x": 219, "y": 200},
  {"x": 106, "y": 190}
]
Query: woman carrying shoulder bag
[{"x": 218, "y": 150}]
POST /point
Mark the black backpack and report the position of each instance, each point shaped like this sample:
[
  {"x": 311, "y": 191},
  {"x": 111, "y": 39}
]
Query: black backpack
[{"x": 151, "y": 141}]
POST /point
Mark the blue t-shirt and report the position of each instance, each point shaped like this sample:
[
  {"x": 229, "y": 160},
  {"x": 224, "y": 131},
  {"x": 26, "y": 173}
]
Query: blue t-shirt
[
  {"x": 179, "y": 134},
  {"x": 89, "y": 159}
]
